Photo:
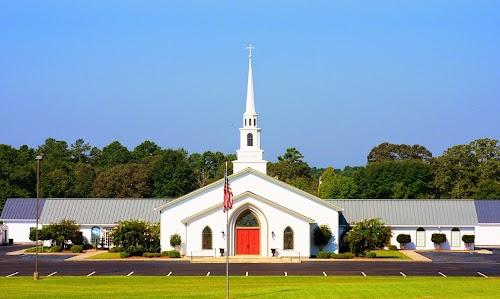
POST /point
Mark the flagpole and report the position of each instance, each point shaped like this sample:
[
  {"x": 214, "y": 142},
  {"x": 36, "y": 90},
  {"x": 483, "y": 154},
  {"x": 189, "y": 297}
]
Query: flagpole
[{"x": 227, "y": 244}]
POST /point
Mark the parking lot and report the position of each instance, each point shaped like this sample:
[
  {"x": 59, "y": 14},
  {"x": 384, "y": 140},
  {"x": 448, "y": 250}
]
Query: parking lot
[{"x": 445, "y": 264}]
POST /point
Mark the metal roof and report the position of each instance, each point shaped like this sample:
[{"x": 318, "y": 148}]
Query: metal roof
[
  {"x": 410, "y": 211},
  {"x": 488, "y": 211},
  {"x": 100, "y": 210},
  {"x": 21, "y": 209}
]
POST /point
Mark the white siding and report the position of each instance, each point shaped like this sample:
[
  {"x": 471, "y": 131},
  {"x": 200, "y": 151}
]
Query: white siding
[
  {"x": 412, "y": 231},
  {"x": 19, "y": 231},
  {"x": 488, "y": 235}
]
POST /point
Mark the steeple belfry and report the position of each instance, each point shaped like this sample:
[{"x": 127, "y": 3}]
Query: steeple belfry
[{"x": 250, "y": 154}]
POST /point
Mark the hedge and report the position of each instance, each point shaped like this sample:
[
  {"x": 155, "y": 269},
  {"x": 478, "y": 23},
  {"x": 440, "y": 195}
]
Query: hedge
[
  {"x": 342, "y": 256},
  {"x": 370, "y": 254},
  {"x": 124, "y": 254},
  {"x": 77, "y": 248},
  {"x": 151, "y": 254},
  {"x": 171, "y": 253},
  {"x": 323, "y": 255}
]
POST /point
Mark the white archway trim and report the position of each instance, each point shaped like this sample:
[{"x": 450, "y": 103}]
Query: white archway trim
[{"x": 264, "y": 227}]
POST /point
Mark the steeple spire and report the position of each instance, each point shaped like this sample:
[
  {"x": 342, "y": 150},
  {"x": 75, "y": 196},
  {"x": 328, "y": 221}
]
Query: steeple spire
[
  {"x": 250, "y": 106},
  {"x": 250, "y": 154}
]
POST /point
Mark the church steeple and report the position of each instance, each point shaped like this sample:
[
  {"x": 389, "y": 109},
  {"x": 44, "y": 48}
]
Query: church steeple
[{"x": 250, "y": 154}]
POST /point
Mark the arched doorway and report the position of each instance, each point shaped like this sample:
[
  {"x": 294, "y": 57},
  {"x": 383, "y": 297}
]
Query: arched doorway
[{"x": 247, "y": 234}]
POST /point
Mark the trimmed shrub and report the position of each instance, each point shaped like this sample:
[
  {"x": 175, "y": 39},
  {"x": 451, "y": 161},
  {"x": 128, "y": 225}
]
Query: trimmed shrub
[
  {"x": 403, "y": 239},
  {"x": 392, "y": 247},
  {"x": 77, "y": 248},
  {"x": 370, "y": 254},
  {"x": 171, "y": 253},
  {"x": 323, "y": 254},
  {"x": 136, "y": 237},
  {"x": 55, "y": 248},
  {"x": 468, "y": 239},
  {"x": 321, "y": 236},
  {"x": 367, "y": 235},
  {"x": 438, "y": 239},
  {"x": 346, "y": 255},
  {"x": 175, "y": 240},
  {"x": 124, "y": 254},
  {"x": 151, "y": 254}
]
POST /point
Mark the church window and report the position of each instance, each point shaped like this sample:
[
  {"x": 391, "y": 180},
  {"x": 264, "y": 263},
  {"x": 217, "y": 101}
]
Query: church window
[
  {"x": 247, "y": 219},
  {"x": 249, "y": 139},
  {"x": 245, "y": 121},
  {"x": 288, "y": 238},
  {"x": 206, "y": 238},
  {"x": 254, "y": 122}
]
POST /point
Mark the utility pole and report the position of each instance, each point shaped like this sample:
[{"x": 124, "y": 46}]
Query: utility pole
[{"x": 38, "y": 158}]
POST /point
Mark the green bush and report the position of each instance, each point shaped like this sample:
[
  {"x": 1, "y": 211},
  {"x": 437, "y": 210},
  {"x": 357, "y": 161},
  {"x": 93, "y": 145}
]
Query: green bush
[
  {"x": 403, "y": 239},
  {"x": 323, "y": 254},
  {"x": 342, "y": 256},
  {"x": 55, "y": 248},
  {"x": 171, "y": 253},
  {"x": 321, "y": 236},
  {"x": 87, "y": 246},
  {"x": 77, "y": 248},
  {"x": 370, "y": 254},
  {"x": 438, "y": 238},
  {"x": 367, "y": 235},
  {"x": 151, "y": 254},
  {"x": 468, "y": 239},
  {"x": 136, "y": 237},
  {"x": 59, "y": 233},
  {"x": 124, "y": 254},
  {"x": 40, "y": 249},
  {"x": 392, "y": 247},
  {"x": 175, "y": 240}
]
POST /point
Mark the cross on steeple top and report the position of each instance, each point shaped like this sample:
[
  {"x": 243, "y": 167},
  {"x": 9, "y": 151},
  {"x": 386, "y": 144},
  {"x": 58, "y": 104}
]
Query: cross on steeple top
[{"x": 250, "y": 48}]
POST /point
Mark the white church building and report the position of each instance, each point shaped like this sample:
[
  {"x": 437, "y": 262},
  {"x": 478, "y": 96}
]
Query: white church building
[{"x": 268, "y": 215}]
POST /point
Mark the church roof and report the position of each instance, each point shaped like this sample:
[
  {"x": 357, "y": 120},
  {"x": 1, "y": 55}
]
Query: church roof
[
  {"x": 411, "y": 212},
  {"x": 245, "y": 171},
  {"x": 21, "y": 209},
  {"x": 488, "y": 211},
  {"x": 100, "y": 211}
]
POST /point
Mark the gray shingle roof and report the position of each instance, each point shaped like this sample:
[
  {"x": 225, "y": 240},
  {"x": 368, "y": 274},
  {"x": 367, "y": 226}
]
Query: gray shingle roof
[
  {"x": 488, "y": 211},
  {"x": 100, "y": 210},
  {"x": 410, "y": 211},
  {"x": 21, "y": 209}
]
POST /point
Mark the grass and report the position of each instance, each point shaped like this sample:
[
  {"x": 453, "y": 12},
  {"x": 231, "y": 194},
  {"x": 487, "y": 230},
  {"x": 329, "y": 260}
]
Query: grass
[
  {"x": 390, "y": 254},
  {"x": 251, "y": 287},
  {"x": 105, "y": 256}
]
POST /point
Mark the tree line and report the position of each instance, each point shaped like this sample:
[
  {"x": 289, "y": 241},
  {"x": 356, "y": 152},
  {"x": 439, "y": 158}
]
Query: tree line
[{"x": 79, "y": 170}]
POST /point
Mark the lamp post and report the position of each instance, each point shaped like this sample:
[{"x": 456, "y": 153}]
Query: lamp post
[{"x": 38, "y": 158}]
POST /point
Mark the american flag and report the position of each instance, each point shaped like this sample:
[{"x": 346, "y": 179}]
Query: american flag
[{"x": 228, "y": 194}]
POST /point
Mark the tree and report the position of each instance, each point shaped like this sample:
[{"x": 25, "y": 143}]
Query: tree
[
  {"x": 144, "y": 150},
  {"x": 336, "y": 186},
  {"x": 321, "y": 236},
  {"x": 290, "y": 166},
  {"x": 209, "y": 166},
  {"x": 113, "y": 154},
  {"x": 60, "y": 233},
  {"x": 171, "y": 174},
  {"x": 367, "y": 235},
  {"x": 123, "y": 181},
  {"x": 80, "y": 151},
  {"x": 391, "y": 152},
  {"x": 83, "y": 179},
  {"x": 136, "y": 237},
  {"x": 395, "y": 179}
]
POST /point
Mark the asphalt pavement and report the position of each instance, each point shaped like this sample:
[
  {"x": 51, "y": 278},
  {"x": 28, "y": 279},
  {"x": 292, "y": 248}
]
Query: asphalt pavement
[{"x": 444, "y": 265}]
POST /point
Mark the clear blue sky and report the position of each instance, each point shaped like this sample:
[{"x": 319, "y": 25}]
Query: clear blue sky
[{"x": 332, "y": 78}]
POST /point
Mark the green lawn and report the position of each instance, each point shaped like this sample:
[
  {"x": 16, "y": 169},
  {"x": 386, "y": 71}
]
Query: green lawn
[
  {"x": 251, "y": 287},
  {"x": 105, "y": 255},
  {"x": 390, "y": 254}
]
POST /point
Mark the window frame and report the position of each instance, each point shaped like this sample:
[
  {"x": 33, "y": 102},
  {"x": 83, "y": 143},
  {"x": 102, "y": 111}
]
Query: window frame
[
  {"x": 421, "y": 231},
  {"x": 249, "y": 139},
  {"x": 206, "y": 232},
  {"x": 290, "y": 235}
]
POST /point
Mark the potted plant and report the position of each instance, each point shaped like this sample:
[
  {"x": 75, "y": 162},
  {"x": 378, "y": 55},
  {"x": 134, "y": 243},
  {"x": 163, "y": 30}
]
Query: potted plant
[
  {"x": 438, "y": 240},
  {"x": 469, "y": 241},
  {"x": 175, "y": 241},
  {"x": 403, "y": 239}
]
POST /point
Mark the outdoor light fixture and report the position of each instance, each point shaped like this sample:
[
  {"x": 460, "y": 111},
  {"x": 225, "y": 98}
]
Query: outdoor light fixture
[
  {"x": 273, "y": 234},
  {"x": 38, "y": 158},
  {"x": 223, "y": 234}
]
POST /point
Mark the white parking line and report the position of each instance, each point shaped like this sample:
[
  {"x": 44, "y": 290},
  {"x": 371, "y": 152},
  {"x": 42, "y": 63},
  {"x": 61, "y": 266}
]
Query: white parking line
[
  {"x": 169, "y": 273},
  {"x": 363, "y": 274},
  {"x": 13, "y": 274},
  {"x": 440, "y": 273},
  {"x": 51, "y": 274},
  {"x": 404, "y": 275},
  {"x": 208, "y": 273},
  {"x": 324, "y": 274},
  {"x": 130, "y": 273},
  {"x": 286, "y": 274},
  {"x": 91, "y": 273},
  {"x": 246, "y": 273},
  {"x": 485, "y": 276}
]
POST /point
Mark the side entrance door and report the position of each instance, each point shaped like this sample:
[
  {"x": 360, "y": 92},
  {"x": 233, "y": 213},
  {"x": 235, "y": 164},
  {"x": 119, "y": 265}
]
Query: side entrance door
[{"x": 248, "y": 241}]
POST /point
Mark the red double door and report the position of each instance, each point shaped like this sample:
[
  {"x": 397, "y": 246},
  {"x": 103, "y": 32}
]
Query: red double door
[{"x": 247, "y": 241}]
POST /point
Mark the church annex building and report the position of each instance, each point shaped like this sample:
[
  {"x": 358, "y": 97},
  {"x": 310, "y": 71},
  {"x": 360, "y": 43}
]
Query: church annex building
[{"x": 267, "y": 215}]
